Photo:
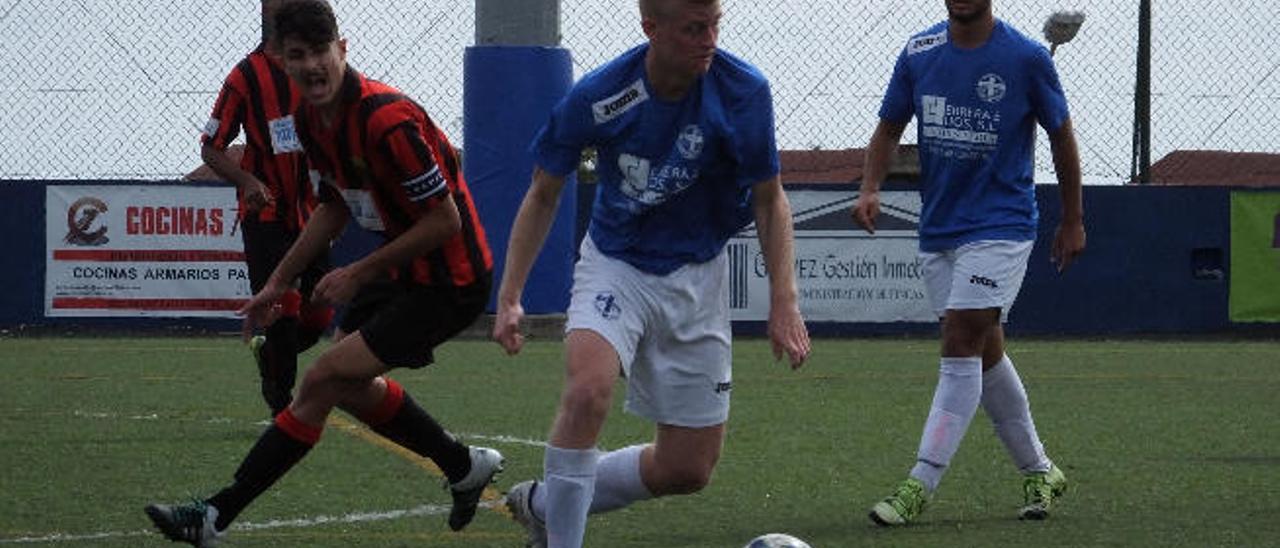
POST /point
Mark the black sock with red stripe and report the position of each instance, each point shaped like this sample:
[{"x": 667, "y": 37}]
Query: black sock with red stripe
[
  {"x": 280, "y": 363},
  {"x": 400, "y": 419},
  {"x": 280, "y": 446}
]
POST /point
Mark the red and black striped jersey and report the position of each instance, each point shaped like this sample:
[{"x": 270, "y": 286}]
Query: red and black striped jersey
[
  {"x": 258, "y": 97},
  {"x": 388, "y": 163}
]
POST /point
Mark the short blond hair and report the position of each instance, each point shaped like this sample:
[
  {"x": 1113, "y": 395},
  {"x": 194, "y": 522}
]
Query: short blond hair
[{"x": 656, "y": 9}]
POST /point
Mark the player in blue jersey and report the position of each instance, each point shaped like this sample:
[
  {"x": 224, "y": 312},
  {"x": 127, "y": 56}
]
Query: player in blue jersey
[
  {"x": 686, "y": 158},
  {"x": 977, "y": 88}
]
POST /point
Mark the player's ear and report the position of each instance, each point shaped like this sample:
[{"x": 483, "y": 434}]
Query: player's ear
[
  {"x": 274, "y": 50},
  {"x": 342, "y": 49},
  {"x": 649, "y": 26}
]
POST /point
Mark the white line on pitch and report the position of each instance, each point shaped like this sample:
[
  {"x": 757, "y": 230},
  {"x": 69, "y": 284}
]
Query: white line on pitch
[{"x": 354, "y": 517}]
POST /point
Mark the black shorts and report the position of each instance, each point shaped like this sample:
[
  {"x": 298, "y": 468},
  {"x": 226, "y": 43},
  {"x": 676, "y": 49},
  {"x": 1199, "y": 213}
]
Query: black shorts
[
  {"x": 403, "y": 322},
  {"x": 265, "y": 244}
]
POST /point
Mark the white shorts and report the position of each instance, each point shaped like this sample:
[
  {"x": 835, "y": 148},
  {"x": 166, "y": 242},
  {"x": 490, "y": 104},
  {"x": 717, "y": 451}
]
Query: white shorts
[
  {"x": 976, "y": 275},
  {"x": 672, "y": 334}
]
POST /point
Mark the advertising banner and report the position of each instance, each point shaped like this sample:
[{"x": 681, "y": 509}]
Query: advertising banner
[
  {"x": 1255, "y": 257},
  {"x": 842, "y": 273},
  {"x": 143, "y": 251}
]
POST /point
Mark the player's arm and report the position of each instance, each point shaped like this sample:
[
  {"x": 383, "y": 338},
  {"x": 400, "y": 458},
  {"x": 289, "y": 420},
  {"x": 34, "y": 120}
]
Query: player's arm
[
  {"x": 439, "y": 223},
  {"x": 787, "y": 332},
  {"x": 876, "y": 167},
  {"x": 1069, "y": 238},
  {"x": 325, "y": 224},
  {"x": 528, "y": 234},
  {"x": 228, "y": 115},
  {"x": 255, "y": 192}
]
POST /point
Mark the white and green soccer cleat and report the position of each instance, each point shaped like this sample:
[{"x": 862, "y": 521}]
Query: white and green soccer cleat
[
  {"x": 191, "y": 523},
  {"x": 1041, "y": 490},
  {"x": 903, "y": 506}
]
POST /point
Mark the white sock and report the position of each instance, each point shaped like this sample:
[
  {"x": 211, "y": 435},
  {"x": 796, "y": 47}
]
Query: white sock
[
  {"x": 1005, "y": 400},
  {"x": 954, "y": 403},
  {"x": 618, "y": 483},
  {"x": 570, "y": 480}
]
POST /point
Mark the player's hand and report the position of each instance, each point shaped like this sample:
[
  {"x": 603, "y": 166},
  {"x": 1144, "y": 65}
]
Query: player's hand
[
  {"x": 256, "y": 195},
  {"x": 264, "y": 307},
  {"x": 337, "y": 287},
  {"x": 788, "y": 334},
  {"x": 1068, "y": 243},
  {"x": 506, "y": 327},
  {"x": 866, "y": 209}
]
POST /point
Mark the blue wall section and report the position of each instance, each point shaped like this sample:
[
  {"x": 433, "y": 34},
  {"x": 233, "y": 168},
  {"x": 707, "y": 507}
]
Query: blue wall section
[
  {"x": 1136, "y": 274},
  {"x": 508, "y": 92},
  {"x": 22, "y": 277}
]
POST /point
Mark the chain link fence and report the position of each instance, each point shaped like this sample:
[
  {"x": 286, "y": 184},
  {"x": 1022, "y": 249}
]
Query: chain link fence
[{"x": 96, "y": 89}]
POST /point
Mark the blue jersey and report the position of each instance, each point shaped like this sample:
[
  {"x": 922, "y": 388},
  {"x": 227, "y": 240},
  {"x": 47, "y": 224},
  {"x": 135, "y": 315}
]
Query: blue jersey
[
  {"x": 976, "y": 115},
  {"x": 674, "y": 177}
]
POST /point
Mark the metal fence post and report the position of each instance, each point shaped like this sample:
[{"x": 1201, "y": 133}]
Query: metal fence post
[{"x": 1140, "y": 170}]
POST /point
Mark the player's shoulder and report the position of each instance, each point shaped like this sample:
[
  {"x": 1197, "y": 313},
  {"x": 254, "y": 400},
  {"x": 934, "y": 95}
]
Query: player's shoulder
[
  {"x": 737, "y": 72},
  {"x": 381, "y": 107},
  {"x": 927, "y": 40},
  {"x": 1015, "y": 41},
  {"x": 247, "y": 65},
  {"x": 621, "y": 72}
]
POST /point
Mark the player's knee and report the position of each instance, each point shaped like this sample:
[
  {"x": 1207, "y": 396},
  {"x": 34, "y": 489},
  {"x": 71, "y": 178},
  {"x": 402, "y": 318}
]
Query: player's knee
[
  {"x": 686, "y": 479},
  {"x": 325, "y": 375},
  {"x": 585, "y": 397}
]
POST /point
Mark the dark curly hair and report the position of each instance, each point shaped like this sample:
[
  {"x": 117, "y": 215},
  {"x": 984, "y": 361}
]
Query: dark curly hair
[{"x": 311, "y": 21}]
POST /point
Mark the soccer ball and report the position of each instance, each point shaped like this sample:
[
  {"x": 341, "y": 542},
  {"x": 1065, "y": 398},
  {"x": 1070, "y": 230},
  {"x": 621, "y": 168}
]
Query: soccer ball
[{"x": 776, "y": 540}]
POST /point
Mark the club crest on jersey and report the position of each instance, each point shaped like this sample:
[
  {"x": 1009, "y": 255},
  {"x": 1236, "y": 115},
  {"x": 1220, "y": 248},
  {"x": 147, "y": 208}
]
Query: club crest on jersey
[
  {"x": 991, "y": 87},
  {"x": 690, "y": 141},
  {"x": 614, "y": 105},
  {"x": 607, "y": 305}
]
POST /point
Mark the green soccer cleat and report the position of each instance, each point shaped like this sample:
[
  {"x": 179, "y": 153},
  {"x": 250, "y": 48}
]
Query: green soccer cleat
[
  {"x": 902, "y": 507},
  {"x": 1041, "y": 489}
]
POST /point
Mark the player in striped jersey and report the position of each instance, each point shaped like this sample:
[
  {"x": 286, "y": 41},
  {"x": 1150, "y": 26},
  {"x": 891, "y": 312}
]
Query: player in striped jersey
[
  {"x": 378, "y": 159},
  {"x": 275, "y": 201}
]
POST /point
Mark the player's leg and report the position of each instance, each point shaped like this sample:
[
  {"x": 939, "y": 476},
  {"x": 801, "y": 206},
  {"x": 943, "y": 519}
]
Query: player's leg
[
  {"x": 571, "y": 459},
  {"x": 402, "y": 326},
  {"x": 313, "y": 319},
  {"x": 344, "y": 368},
  {"x": 967, "y": 318},
  {"x": 275, "y": 352},
  {"x": 1004, "y": 398},
  {"x": 680, "y": 379},
  {"x": 958, "y": 393},
  {"x": 606, "y": 320}
]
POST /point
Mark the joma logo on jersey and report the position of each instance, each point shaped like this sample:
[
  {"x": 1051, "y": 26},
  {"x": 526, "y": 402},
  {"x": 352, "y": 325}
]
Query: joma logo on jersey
[
  {"x": 621, "y": 102},
  {"x": 614, "y": 105},
  {"x": 926, "y": 43},
  {"x": 980, "y": 280}
]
